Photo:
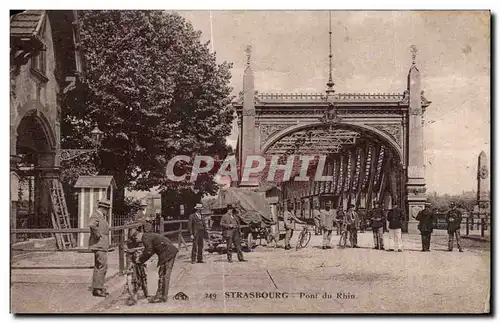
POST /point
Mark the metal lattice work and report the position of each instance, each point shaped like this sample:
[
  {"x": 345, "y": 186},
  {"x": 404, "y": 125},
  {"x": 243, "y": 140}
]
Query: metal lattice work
[
  {"x": 367, "y": 167},
  {"x": 314, "y": 142},
  {"x": 378, "y": 175}
]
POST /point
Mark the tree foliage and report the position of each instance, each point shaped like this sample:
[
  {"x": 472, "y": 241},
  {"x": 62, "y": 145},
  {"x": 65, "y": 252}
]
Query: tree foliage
[
  {"x": 155, "y": 90},
  {"x": 466, "y": 201}
]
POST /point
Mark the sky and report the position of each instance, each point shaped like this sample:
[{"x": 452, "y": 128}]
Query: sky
[{"x": 371, "y": 54}]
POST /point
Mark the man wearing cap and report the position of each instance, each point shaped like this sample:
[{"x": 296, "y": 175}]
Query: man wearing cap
[
  {"x": 454, "y": 219},
  {"x": 327, "y": 220},
  {"x": 377, "y": 216},
  {"x": 395, "y": 218},
  {"x": 157, "y": 244},
  {"x": 198, "y": 230},
  {"x": 352, "y": 225},
  {"x": 99, "y": 244},
  {"x": 290, "y": 221},
  {"x": 425, "y": 220},
  {"x": 231, "y": 232}
]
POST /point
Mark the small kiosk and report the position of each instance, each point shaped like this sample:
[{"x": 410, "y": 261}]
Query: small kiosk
[{"x": 91, "y": 190}]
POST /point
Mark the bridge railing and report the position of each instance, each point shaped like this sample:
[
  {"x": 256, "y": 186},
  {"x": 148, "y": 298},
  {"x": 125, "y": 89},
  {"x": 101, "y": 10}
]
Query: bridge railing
[{"x": 480, "y": 224}]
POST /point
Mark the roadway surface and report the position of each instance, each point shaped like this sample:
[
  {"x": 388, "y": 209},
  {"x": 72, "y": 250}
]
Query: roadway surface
[{"x": 314, "y": 280}]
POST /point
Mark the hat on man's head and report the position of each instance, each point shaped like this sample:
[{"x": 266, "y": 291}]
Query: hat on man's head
[
  {"x": 351, "y": 205},
  {"x": 452, "y": 204},
  {"x": 104, "y": 203},
  {"x": 198, "y": 206}
]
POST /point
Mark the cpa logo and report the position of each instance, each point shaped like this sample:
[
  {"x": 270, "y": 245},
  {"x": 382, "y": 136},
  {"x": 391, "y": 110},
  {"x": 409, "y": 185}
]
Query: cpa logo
[{"x": 180, "y": 296}]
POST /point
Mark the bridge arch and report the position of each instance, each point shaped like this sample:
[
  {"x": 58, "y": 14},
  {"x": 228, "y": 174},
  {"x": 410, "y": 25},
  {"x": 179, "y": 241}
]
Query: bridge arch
[{"x": 383, "y": 136}]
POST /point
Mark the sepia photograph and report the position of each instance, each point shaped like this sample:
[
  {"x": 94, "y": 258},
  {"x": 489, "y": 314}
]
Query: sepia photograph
[{"x": 250, "y": 162}]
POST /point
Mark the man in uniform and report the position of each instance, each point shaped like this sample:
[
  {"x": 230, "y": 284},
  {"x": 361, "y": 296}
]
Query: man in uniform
[
  {"x": 378, "y": 222},
  {"x": 290, "y": 221},
  {"x": 198, "y": 230},
  {"x": 231, "y": 232},
  {"x": 157, "y": 244},
  {"x": 395, "y": 218},
  {"x": 352, "y": 226},
  {"x": 327, "y": 220},
  {"x": 317, "y": 219},
  {"x": 99, "y": 244},
  {"x": 425, "y": 220},
  {"x": 454, "y": 219}
]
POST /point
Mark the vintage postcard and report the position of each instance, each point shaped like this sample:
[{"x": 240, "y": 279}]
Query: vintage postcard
[{"x": 250, "y": 161}]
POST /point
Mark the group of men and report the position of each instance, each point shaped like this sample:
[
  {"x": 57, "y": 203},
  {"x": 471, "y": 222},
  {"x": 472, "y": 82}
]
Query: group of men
[
  {"x": 348, "y": 223},
  {"x": 197, "y": 227},
  {"x": 426, "y": 220},
  {"x": 325, "y": 219}
]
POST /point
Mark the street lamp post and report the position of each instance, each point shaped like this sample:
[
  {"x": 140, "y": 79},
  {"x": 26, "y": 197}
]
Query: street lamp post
[{"x": 96, "y": 139}]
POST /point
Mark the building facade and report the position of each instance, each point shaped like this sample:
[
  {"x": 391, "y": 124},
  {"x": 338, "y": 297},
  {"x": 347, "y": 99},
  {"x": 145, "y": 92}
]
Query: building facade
[{"x": 44, "y": 61}]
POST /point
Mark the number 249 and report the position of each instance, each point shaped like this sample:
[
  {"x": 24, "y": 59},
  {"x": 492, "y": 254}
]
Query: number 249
[{"x": 212, "y": 296}]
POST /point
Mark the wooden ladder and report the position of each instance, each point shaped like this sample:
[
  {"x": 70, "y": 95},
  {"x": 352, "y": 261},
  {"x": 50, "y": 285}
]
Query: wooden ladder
[{"x": 60, "y": 215}]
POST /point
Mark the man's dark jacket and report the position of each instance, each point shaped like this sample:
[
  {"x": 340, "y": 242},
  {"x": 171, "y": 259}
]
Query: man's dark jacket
[
  {"x": 196, "y": 225},
  {"x": 395, "y": 218},
  {"x": 157, "y": 244},
  {"x": 377, "y": 217},
  {"x": 454, "y": 218},
  {"x": 425, "y": 220}
]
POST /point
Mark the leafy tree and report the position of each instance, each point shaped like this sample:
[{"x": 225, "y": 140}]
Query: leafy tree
[{"x": 156, "y": 91}]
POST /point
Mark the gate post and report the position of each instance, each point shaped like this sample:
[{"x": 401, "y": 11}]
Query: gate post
[{"x": 121, "y": 252}]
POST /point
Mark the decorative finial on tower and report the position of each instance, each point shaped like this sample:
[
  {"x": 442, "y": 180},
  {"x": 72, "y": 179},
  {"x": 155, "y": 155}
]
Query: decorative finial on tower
[
  {"x": 330, "y": 83},
  {"x": 414, "y": 51},
  {"x": 248, "y": 51}
]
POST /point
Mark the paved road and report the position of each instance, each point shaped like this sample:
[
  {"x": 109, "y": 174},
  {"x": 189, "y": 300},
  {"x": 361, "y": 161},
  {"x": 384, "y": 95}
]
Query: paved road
[
  {"x": 314, "y": 280},
  {"x": 57, "y": 290}
]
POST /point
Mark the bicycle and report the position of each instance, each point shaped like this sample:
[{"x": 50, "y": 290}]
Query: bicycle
[{"x": 304, "y": 237}]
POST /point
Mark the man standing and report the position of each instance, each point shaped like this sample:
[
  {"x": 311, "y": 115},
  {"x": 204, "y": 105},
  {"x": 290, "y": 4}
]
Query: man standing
[
  {"x": 231, "y": 232},
  {"x": 327, "y": 220},
  {"x": 454, "y": 219},
  {"x": 317, "y": 219},
  {"x": 157, "y": 244},
  {"x": 352, "y": 225},
  {"x": 378, "y": 219},
  {"x": 395, "y": 218},
  {"x": 425, "y": 220},
  {"x": 290, "y": 221},
  {"x": 99, "y": 244},
  {"x": 339, "y": 218},
  {"x": 198, "y": 230}
]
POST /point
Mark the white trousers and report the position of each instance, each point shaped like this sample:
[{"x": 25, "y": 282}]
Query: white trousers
[{"x": 395, "y": 240}]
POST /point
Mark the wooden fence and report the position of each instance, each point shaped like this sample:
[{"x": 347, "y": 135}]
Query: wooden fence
[{"x": 122, "y": 234}]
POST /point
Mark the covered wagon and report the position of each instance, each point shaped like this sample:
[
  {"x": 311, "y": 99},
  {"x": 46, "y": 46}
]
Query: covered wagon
[{"x": 254, "y": 215}]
